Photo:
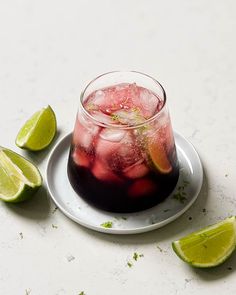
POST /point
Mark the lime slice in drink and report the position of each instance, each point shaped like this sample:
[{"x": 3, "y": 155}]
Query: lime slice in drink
[
  {"x": 159, "y": 157},
  {"x": 39, "y": 131},
  {"x": 19, "y": 178},
  {"x": 210, "y": 246}
]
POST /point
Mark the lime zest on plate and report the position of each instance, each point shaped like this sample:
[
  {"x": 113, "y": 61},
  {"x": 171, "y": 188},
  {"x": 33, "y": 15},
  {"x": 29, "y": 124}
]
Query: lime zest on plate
[{"x": 107, "y": 224}]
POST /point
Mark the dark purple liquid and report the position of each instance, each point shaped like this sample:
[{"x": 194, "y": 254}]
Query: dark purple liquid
[{"x": 114, "y": 197}]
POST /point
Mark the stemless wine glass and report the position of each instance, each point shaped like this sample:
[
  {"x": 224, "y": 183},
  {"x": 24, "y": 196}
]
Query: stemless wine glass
[{"x": 123, "y": 156}]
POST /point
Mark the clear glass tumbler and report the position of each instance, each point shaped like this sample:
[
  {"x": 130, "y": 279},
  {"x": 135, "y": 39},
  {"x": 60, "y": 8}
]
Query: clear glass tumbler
[{"x": 123, "y": 156}]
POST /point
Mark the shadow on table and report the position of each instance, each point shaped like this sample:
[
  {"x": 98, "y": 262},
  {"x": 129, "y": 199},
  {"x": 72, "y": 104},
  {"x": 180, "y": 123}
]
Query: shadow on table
[
  {"x": 38, "y": 207},
  {"x": 211, "y": 274}
]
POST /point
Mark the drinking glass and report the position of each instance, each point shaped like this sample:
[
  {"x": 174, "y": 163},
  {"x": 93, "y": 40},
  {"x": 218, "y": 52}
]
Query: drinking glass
[{"x": 123, "y": 155}]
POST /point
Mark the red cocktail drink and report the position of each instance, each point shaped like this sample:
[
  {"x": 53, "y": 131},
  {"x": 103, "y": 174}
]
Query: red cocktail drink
[{"x": 123, "y": 155}]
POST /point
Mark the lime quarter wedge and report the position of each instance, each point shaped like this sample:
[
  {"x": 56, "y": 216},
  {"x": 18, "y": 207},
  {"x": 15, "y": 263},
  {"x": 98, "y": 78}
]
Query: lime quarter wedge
[
  {"x": 19, "y": 178},
  {"x": 210, "y": 246},
  {"x": 159, "y": 156},
  {"x": 39, "y": 131}
]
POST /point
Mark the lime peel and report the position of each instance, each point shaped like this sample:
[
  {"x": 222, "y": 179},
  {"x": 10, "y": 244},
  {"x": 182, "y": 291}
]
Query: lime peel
[
  {"x": 19, "y": 178},
  {"x": 38, "y": 132},
  {"x": 210, "y": 246},
  {"x": 27, "y": 129},
  {"x": 11, "y": 169}
]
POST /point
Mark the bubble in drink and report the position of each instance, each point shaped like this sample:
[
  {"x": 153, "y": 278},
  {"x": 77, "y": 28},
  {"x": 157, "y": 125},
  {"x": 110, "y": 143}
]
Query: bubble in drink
[{"x": 123, "y": 156}]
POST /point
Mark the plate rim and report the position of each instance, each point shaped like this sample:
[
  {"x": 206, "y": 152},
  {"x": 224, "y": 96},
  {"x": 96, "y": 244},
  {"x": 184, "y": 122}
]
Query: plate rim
[{"x": 125, "y": 231}]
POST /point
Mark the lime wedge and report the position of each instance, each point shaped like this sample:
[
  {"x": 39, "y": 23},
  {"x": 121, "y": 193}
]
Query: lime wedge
[
  {"x": 210, "y": 246},
  {"x": 159, "y": 157},
  {"x": 39, "y": 131},
  {"x": 19, "y": 178}
]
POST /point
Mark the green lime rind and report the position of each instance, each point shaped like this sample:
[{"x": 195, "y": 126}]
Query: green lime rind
[
  {"x": 25, "y": 193},
  {"x": 27, "y": 128},
  {"x": 39, "y": 131},
  {"x": 201, "y": 265},
  {"x": 29, "y": 170},
  {"x": 19, "y": 178},
  {"x": 208, "y": 247}
]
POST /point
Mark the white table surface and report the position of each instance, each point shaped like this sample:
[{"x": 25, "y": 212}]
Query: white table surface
[{"x": 49, "y": 50}]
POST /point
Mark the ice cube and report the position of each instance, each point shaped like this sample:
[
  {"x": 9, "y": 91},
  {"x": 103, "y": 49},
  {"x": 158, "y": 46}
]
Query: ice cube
[
  {"x": 102, "y": 118},
  {"x": 85, "y": 121},
  {"x": 142, "y": 187},
  {"x": 83, "y": 134},
  {"x": 118, "y": 154},
  {"x": 99, "y": 98},
  {"x": 148, "y": 102},
  {"x": 137, "y": 170},
  {"x": 108, "y": 147},
  {"x": 124, "y": 96},
  {"x": 105, "y": 100},
  {"x": 129, "y": 117},
  {"x": 114, "y": 98},
  {"x": 114, "y": 135},
  {"x": 103, "y": 172},
  {"x": 121, "y": 86},
  {"x": 81, "y": 158}
]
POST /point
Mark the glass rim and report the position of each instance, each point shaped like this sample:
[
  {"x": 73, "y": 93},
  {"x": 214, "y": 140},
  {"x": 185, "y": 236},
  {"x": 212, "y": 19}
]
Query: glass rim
[{"x": 124, "y": 126}]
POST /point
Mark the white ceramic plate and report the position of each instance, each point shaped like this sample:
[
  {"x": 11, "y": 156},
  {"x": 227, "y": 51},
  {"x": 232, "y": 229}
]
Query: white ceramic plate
[{"x": 60, "y": 190}]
